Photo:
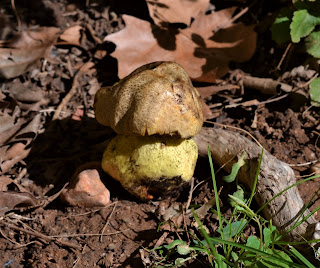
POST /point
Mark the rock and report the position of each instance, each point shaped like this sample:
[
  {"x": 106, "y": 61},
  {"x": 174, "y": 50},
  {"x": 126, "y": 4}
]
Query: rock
[{"x": 86, "y": 190}]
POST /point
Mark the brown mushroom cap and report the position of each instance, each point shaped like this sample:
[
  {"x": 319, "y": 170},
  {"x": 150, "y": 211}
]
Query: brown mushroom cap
[{"x": 157, "y": 98}]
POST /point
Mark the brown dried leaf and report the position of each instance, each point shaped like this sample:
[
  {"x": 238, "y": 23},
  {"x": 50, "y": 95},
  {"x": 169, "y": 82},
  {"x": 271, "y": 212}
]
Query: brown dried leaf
[
  {"x": 72, "y": 35},
  {"x": 19, "y": 147},
  {"x": 11, "y": 200},
  {"x": 203, "y": 53},
  {"x": 25, "y": 49},
  {"x": 178, "y": 11},
  {"x": 4, "y": 182}
]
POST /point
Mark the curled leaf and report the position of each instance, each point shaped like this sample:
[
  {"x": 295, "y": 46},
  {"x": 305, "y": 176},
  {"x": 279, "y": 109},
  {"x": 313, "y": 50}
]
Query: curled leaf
[{"x": 25, "y": 49}]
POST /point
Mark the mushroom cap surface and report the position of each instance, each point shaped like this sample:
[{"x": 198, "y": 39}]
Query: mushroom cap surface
[
  {"x": 152, "y": 165},
  {"x": 157, "y": 98}
]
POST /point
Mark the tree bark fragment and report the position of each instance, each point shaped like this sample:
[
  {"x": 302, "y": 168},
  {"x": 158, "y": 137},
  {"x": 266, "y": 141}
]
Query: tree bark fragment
[{"x": 274, "y": 177}]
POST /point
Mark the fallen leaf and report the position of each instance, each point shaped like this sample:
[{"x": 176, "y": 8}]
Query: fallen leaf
[
  {"x": 24, "y": 49},
  {"x": 6, "y": 181},
  {"x": 12, "y": 200},
  {"x": 26, "y": 93},
  {"x": 72, "y": 35},
  {"x": 204, "y": 50},
  {"x": 19, "y": 146},
  {"x": 178, "y": 11}
]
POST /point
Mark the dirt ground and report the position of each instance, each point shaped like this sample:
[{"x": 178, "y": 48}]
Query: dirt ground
[{"x": 55, "y": 235}]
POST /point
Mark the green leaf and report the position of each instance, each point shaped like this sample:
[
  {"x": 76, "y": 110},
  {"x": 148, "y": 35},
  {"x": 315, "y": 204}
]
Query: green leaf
[
  {"x": 233, "y": 229},
  {"x": 184, "y": 249},
  {"x": 270, "y": 262},
  {"x": 241, "y": 206},
  {"x": 302, "y": 24},
  {"x": 268, "y": 235},
  {"x": 175, "y": 243},
  {"x": 253, "y": 242},
  {"x": 234, "y": 256},
  {"x": 180, "y": 261},
  {"x": 239, "y": 194},
  {"x": 313, "y": 44},
  {"x": 315, "y": 92},
  {"x": 280, "y": 29},
  {"x": 235, "y": 168}
]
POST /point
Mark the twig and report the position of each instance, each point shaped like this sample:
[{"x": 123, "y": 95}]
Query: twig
[
  {"x": 89, "y": 212},
  {"x": 283, "y": 56},
  {"x": 243, "y": 11},
  {"x": 77, "y": 235},
  {"x": 190, "y": 194},
  {"x": 72, "y": 90},
  {"x": 240, "y": 129},
  {"x": 161, "y": 239},
  {"x": 42, "y": 236},
  {"x": 93, "y": 35},
  {"x": 265, "y": 85},
  {"x": 12, "y": 241},
  {"x": 303, "y": 164},
  {"x": 16, "y": 15},
  {"x": 105, "y": 226},
  {"x": 27, "y": 244}
]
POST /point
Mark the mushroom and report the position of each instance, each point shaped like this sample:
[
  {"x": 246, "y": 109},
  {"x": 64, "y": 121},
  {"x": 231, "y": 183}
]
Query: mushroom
[{"x": 155, "y": 111}]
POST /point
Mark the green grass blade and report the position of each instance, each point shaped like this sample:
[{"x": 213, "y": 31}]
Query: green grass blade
[
  {"x": 256, "y": 179},
  {"x": 300, "y": 257},
  {"x": 286, "y": 189},
  {"x": 215, "y": 190},
  {"x": 258, "y": 252},
  {"x": 207, "y": 238}
]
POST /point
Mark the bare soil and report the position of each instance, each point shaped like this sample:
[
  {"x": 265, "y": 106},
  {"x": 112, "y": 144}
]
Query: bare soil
[{"x": 115, "y": 235}]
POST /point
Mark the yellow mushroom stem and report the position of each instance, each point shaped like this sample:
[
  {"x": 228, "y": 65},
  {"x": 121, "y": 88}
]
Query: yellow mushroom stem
[{"x": 150, "y": 165}]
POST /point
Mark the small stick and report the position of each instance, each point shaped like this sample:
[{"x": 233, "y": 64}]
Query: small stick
[
  {"x": 265, "y": 85},
  {"x": 16, "y": 15},
  {"x": 283, "y": 56},
  {"x": 77, "y": 235},
  {"x": 72, "y": 90},
  {"x": 105, "y": 226},
  {"x": 42, "y": 236}
]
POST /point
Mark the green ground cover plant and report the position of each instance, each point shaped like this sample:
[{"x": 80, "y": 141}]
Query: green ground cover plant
[
  {"x": 300, "y": 23},
  {"x": 229, "y": 246}
]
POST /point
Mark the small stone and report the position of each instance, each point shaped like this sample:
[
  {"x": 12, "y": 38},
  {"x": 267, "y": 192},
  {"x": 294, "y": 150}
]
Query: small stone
[{"x": 86, "y": 190}]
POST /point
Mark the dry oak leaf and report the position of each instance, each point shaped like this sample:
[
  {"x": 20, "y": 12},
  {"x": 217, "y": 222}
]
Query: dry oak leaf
[
  {"x": 204, "y": 49},
  {"x": 10, "y": 200},
  {"x": 24, "y": 49},
  {"x": 72, "y": 35},
  {"x": 178, "y": 11}
]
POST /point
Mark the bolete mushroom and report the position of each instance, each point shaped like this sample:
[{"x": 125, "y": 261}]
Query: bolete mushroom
[{"x": 156, "y": 111}]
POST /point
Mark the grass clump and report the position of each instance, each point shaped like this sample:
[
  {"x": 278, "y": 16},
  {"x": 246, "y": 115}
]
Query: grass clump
[{"x": 229, "y": 245}]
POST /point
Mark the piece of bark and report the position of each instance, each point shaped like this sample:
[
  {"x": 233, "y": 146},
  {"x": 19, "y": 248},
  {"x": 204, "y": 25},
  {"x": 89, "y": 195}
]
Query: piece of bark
[
  {"x": 265, "y": 85},
  {"x": 274, "y": 177}
]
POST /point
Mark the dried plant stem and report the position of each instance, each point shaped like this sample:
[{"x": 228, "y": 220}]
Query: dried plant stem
[
  {"x": 16, "y": 14},
  {"x": 72, "y": 91},
  {"x": 41, "y": 236}
]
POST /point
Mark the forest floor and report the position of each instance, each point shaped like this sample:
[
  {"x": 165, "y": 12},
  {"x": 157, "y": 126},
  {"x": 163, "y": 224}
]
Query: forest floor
[{"x": 49, "y": 144}]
